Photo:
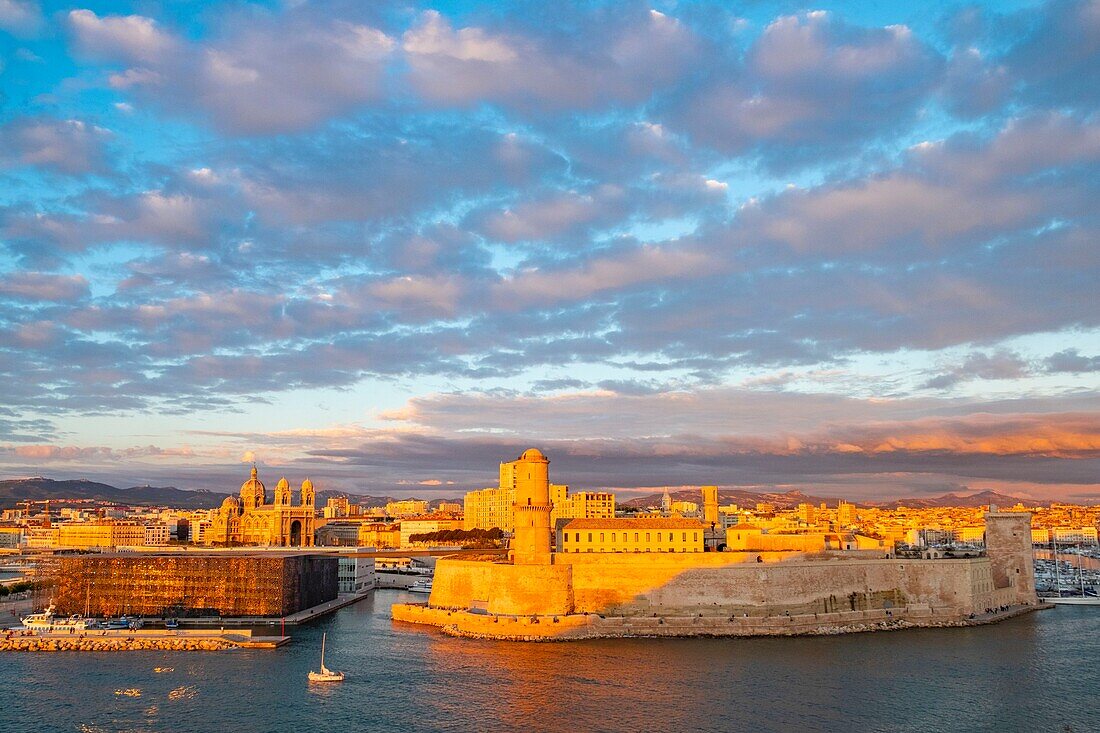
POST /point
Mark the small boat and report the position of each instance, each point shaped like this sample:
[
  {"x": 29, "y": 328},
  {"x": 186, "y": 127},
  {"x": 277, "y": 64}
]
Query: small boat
[
  {"x": 171, "y": 623},
  {"x": 122, "y": 622},
  {"x": 49, "y": 621},
  {"x": 421, "y": 586},
  {"x": 326, "y": 674}
]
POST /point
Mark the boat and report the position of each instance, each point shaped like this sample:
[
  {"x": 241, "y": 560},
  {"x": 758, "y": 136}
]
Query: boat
[
  {"x": 49, "y": 621},
  {"x": 421, "y": 586},
  {"x": 123, "y": 622},
  {"x": 1071, "y": 600},
  {"x": 326, "y": 674},
  {"x": 171, "y": 623}
]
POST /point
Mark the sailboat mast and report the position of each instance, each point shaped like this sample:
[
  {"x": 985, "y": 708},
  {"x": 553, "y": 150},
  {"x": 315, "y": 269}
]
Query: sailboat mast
[
  {"x": 323, "y": 637},
  {"x": 1057, "y": 573}
]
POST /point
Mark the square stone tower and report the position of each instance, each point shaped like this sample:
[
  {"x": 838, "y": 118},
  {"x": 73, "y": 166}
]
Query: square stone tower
[{"x": 1008, "y": 546}]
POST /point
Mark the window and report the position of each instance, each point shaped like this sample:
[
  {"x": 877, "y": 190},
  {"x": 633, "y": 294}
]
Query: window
[
  {"x": 601, "y": 536},
  {"x": 578, "y": 538},
  {"x": 612, "y": 536},
  {"x": 685, "y": 536},
  {"x": 635, "y": 536},
  {"x": 589, "y": 536},
  {"x": 658, "y": 536},
  {"x": 647, "y": 536}
]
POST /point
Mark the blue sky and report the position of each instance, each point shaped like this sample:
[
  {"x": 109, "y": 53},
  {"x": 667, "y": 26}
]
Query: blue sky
[{"x": 849, "y": 248}]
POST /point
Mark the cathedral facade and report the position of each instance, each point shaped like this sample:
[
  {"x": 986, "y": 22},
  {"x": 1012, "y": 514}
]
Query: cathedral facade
[{"x": 251, "y": 520}]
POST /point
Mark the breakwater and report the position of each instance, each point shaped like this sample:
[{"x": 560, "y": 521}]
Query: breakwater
[{"x": 106, "y": 641}]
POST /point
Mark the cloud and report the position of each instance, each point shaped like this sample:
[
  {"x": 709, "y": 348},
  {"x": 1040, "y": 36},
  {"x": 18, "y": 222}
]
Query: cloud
[
  {"x": 265, "y": 75},
  {"x": 38, "y": 286},
  {"x": 1073, "y": 362},
  {"x": 126, "y": 38},
  {"x": 21, "y": 17},
  {"x": 615, "y": 56},
  {"x": 72, "y": 147},
  {"x": 998, "y": 365},
  {"x": 811, "y": 85},
  {"x": 1057, "y": 60}
]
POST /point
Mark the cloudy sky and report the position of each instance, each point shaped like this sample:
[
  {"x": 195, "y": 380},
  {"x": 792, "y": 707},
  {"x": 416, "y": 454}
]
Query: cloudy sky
[{"x": 849, "y": 248}]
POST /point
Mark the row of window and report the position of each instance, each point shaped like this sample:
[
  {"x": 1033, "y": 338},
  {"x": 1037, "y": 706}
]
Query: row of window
[
  {"x": 626, "y": 538},
  {"x": 635, "y": 549}
]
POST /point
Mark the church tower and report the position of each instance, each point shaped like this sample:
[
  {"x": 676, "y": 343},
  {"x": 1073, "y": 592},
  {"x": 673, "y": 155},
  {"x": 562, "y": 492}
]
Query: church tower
[
  {"x": 309, "y": 497},
  {"x": 531, "y": 542},
  {"x": 282, "y": 492}
]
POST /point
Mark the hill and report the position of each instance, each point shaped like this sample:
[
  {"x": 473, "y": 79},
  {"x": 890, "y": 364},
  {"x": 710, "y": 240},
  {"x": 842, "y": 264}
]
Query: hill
[{"x": 14, "y": 491}]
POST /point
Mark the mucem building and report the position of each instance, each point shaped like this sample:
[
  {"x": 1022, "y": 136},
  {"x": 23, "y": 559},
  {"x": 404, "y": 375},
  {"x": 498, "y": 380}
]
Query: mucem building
[{"x": 189, "y": 584}]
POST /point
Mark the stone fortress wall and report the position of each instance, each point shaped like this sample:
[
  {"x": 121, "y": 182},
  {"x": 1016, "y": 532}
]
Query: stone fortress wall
[{"x": 741, "y": 592}]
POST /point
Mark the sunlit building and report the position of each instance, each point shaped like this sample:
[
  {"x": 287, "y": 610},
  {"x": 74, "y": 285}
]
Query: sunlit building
[{"x": 251, "y": 520}]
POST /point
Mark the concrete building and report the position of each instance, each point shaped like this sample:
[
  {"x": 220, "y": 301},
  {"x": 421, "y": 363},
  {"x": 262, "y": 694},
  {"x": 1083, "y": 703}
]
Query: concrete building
[
  {"x": 102, "y": 534},
  {"x": 157, "y": 535},
  {"x": 426, "y": 524},
  {"x": 356, "y": 574},
  {"x": 406, "y": 508},
  {"x": 489, "y": 508}
]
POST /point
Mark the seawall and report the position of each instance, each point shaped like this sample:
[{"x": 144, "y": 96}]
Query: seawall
[
  {"x": 575, "y": 627},
  {"x": 99, "y": 641}
]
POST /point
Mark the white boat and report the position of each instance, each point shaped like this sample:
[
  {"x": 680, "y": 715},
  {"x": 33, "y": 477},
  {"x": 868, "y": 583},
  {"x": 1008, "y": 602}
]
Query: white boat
[
  {"x": 421, "y": 586},
  {"x": 1071, "y": 600},
  {"x": 326, "y": 674},
  {"x": 48, "y": 621}
]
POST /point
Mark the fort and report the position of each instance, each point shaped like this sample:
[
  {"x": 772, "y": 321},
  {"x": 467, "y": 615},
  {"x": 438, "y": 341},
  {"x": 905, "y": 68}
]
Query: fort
[{"x": 646, "y": 577}]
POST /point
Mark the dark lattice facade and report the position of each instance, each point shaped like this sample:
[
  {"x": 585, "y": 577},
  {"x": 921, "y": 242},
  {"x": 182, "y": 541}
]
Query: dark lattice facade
[{"x": 191, "y": 585}]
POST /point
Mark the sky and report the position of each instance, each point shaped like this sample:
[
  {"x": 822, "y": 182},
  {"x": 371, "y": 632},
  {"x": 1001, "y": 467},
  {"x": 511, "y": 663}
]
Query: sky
[{"x": 845, "y": 248}]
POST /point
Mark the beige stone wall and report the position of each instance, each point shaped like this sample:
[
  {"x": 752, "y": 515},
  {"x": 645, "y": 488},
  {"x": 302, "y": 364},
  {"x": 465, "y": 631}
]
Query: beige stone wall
[{"x": 727, "y": 583}]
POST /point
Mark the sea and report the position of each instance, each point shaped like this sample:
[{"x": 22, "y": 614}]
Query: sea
[{"x": 1039, "y": 672}]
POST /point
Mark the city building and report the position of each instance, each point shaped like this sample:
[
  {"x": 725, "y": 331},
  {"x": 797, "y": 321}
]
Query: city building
[
  {"x": 383, "y": 535},
  {"x": 489, "y": 508},
  {"x": 406, "y": 508},
  {"x": 630, "y": 535},
  {"x": 190, "y": 584},
  {"x": 425, "y": 524},
  {"x": 98, "y": 534},
  {"x": 356, "y": 574},
  {"x": 251, "y": 520}
]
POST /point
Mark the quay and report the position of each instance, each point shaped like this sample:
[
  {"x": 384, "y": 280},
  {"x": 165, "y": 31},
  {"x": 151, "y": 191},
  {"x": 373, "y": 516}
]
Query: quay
[{"x": 21, "y": 640}]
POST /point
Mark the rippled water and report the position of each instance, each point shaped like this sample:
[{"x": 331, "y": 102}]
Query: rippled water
[{"x": 1035, "y": 673}]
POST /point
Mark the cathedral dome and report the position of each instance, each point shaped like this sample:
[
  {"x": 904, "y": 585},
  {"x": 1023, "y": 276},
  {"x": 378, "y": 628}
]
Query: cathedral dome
[
  {"x": 283, "y": 485},
  {"x": 253, "y": 485},
  {"x": 231, "y": 502}
]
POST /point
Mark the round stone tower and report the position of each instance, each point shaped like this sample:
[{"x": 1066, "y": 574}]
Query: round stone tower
[{"x": 531, "y": 543}]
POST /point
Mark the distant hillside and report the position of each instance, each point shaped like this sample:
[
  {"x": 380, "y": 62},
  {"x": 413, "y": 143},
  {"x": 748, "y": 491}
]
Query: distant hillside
[
  {"x": 789, "y": 499},
  {"x": 981, "y": 498},
  {"x": 14, "y": 491},
  {"x": 740, "y": 497}
]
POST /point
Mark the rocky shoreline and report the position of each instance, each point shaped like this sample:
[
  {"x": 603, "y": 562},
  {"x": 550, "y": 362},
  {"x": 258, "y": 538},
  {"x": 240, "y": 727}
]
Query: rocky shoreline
[{"x": 112, "y": 644}]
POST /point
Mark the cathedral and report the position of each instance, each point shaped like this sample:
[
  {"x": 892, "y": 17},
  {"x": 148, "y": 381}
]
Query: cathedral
[{"x": 251, "y": 520}]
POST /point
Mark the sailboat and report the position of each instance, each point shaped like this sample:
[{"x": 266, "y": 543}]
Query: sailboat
[{"x": 326, "y": 674}]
